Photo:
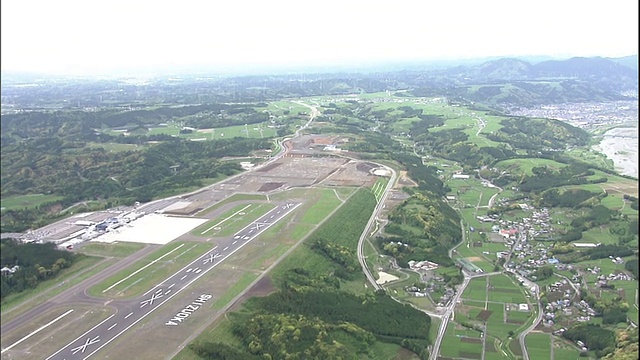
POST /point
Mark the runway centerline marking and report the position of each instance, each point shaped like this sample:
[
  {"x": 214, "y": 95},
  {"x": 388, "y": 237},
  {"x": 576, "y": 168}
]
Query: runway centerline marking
[
  {"x": 131, "y": 313},
  {"x": 142, "y": 268},
  {"x": 223, "y": 220},
  {"x": 112, "y": 326},
  {"x": 35, "y": 332}
]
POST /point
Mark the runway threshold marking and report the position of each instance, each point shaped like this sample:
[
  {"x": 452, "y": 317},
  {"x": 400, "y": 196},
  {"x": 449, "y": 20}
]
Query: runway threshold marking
[
  {"x": 78, "y": 338},
  {"x": 142, "y": 268},
  {"x": 223, "y": 220},
  {"x": 37, "y": 331},
  {"x": 83, "y": 347}
]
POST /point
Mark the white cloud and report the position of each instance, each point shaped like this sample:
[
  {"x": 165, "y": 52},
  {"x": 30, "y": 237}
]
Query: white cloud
[{"x": 63, "y": 35}]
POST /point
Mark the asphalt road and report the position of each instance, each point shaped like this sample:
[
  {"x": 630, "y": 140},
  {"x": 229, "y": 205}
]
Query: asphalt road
[
  {"x": 129, "y": 312},
  {"x": 366, "y": 233}
]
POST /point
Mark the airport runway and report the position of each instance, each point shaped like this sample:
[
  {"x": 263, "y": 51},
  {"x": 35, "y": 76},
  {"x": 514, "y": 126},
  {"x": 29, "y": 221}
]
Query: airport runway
[{"x": 130, "y": 312}]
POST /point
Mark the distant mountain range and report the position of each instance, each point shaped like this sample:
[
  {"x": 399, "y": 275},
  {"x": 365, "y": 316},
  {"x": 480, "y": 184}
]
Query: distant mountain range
[
  {"x": 503, "y": 82},
  {"x": 577, "y": 67},
  {"x": 515, "y": 82}
]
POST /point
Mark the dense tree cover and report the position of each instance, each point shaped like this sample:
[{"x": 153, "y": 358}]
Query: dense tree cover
[
  {"x": 453, "y": 144},
  {"x": 74, "y": 124},
  {"x": 423, "y": 227},
  {"x": 121, "y": 176},
  {"x": 568, "y": 198},
  {"x": 633, "y": 200},
  {"x": 36, "y": 263},
  {"x": 298, "y": 337},
  {"x": 425, "y": 176},
  {"x": 374, "y": 144},
  {"x": 598, "y": 215},
  {"x": 344, "y": 256},
  {"x": 613, "y": 316},
  {"x": 625, "y": 229},
  {"x": 632, "y": 266},
  {"x": 544, "y": 178},
  {"x": 299, "y": 279},
  {"x": 307, "y": 323},
  {"x": 536, "y": 134},
  {"x": 207, "y": 350},
  {"x": 600, "y": 252},
  {"x": 382, "y": 316},
  {"x": 594, "y": 336},
  {"x": 419, "y": 128},
  {"x": 543, "y": 273},
  {"x": 604, "y": 251},
  {"x": 626, "y": 345}
]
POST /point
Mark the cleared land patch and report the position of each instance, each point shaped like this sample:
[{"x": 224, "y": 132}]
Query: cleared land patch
[{"x": 26, "y": 201}]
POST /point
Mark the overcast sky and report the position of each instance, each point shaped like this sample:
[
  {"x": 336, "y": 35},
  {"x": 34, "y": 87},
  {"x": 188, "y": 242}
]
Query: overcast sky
[{"x": 85, "y": 36}]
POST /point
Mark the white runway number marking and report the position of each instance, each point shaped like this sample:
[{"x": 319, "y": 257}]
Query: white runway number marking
[{"x": 188, "y": 310}]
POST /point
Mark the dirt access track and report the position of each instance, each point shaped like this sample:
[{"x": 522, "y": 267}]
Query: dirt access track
[{"x": 304, "y": 166}]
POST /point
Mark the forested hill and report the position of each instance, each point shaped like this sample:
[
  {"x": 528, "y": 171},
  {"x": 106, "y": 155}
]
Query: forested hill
[{"x": 512, "y": 82}]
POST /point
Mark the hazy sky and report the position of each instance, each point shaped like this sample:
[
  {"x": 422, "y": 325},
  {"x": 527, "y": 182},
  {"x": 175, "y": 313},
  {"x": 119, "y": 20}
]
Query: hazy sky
[{"x": 85, "y": 36}]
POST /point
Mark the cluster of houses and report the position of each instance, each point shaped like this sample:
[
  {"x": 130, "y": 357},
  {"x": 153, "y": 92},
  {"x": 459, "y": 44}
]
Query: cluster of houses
[
  {"x": 602, "y": 280},
  {"x": 422, "y": 265},
  {"x": 444, "y": 300},
  {"x": 416, "y": 291},
  {"x": 617, "y": 260},
  {"x": 585, "y": 308}
]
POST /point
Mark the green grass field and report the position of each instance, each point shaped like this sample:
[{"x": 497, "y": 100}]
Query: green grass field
[
  {"x": 513, "y": 296},
  {"x": 232, "y": 199},
  {"x": 237, "y": 288},
  {"x": 524, "y": 166},
  {"x": 476, "y": 290},
  {"x": 26, "y": 201},
  {"x": 119, "y": 250},
  {"x": 457, "y": 343},
  {"x": 538, "y": 345}
]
